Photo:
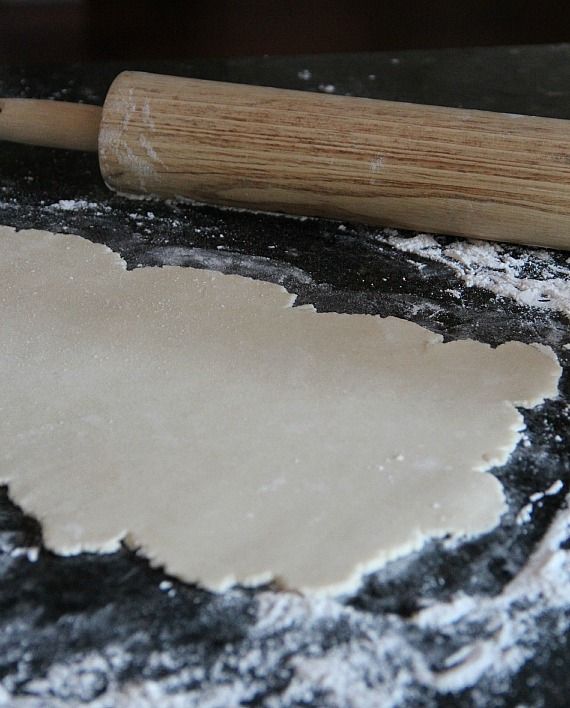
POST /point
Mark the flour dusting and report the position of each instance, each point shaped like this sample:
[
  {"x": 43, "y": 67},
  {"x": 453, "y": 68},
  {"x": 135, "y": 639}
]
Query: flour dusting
[
  {"x": 73, "y": 205},
  {"x": 530, "y": 277},
  {"x": 384, "y": 663}
]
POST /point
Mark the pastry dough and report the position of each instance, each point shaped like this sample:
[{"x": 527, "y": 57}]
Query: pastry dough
[{"x": 233, "y": 437}]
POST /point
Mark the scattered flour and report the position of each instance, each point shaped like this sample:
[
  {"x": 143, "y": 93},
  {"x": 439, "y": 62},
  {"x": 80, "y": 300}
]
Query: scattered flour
[
  {"x": 480, "y": 639},
  {"x": 73, "y": 205},
  {"x": 554, "y": 488},
  {"x": 258, "y": 267},
  {"x": 531, "y": 278},
  {"x": 525, "y": 514}
]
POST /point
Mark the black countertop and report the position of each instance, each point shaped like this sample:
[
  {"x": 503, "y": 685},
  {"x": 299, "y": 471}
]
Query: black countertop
[{"x": 110, "y": 630}]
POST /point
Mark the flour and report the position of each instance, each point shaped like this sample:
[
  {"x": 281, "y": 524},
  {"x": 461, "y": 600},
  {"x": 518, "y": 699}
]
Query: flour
[
  {"x": 531, "y": 277},
  {"x": 79, "y": 205},
  {"x": 73, "y": 205},
  {"x": 382, "y": 664},
  {"x": 525, "y": 514},
  {"x": 228, "y": 262}
]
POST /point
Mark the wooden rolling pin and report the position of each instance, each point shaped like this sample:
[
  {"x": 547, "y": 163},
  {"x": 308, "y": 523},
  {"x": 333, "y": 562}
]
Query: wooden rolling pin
[{"x": 453, "y": 171}]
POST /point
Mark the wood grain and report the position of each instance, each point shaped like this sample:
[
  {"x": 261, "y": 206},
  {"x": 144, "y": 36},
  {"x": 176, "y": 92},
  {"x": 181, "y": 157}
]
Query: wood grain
[{"x": 474, "y": 173}]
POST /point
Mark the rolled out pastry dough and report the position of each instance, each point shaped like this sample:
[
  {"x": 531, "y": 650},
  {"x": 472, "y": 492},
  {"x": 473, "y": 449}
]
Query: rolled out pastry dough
[{"x": 232, "y": 437}]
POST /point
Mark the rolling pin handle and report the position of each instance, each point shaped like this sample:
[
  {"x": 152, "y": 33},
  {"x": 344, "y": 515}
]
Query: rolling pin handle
[{"x": 56, "y": 124}]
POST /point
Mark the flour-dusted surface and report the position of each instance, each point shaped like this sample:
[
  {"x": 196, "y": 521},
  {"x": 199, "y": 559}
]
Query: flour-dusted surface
[
  {"x": 530, "y": 277},
  {"x": 282, "y": 649},
  {"x": 109, "y": 629}
]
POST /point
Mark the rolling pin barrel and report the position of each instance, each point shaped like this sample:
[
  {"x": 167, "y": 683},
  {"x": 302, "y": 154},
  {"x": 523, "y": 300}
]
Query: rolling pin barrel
[
  {"x": 474, "y": 173},
  {"x": 471, "y": 173}
]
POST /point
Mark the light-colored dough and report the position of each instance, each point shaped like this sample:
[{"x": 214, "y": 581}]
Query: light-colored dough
[{"x": 233, "y": 437}]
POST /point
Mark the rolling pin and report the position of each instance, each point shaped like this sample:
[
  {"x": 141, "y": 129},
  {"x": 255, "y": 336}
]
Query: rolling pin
[{"x": 451, "y": 171}]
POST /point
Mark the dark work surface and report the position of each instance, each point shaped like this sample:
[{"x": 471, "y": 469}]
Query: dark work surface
[{"x": 101, "y": 628}]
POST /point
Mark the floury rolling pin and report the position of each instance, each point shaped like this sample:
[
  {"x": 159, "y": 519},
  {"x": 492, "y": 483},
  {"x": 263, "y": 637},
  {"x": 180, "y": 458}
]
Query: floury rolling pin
[{"x": 471, "y": 173}]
